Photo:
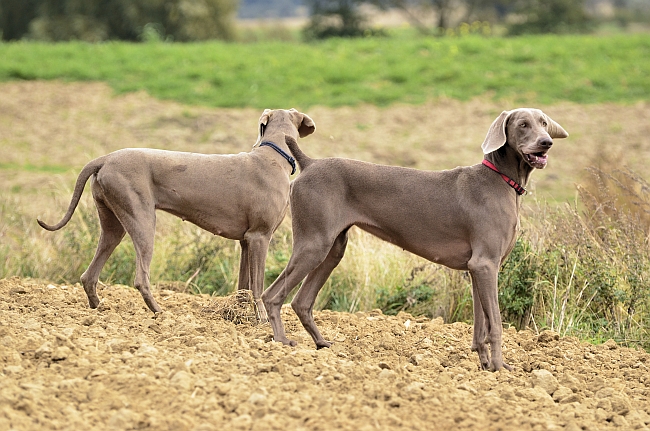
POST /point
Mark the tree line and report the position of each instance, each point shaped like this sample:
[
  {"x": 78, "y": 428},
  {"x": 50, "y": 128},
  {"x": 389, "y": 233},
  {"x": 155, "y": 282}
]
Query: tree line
[
  {"x": 99, "y": 20},
  {"x": 438, "y": 17},
  {"x": 190, "y": 20}
]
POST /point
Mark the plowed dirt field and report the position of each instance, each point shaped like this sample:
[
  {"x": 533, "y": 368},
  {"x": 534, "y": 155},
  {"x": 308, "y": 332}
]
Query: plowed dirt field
[{"x": 65, "y": 366}]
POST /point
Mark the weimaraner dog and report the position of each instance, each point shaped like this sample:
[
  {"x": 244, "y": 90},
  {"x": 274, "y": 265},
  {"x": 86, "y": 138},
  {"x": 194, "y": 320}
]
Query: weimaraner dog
[
  {"x": 241, "y": 196},
  {"x": 464, "y": 218}
]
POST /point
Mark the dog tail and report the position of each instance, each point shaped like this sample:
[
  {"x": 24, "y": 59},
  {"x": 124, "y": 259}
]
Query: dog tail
[
  {"x": 303, "y": 159},
  {"x": 90, "y": 169}
]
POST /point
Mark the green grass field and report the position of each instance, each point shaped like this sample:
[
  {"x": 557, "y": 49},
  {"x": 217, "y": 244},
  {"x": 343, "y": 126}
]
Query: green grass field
[{"x": 379, "y": 71}]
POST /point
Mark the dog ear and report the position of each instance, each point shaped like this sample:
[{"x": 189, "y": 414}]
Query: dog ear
[
  {"x": 307, "y": 126},
  {"x": 554, "y": 129},
  {"x": 264, "y": 119},
  {"x": 496, "y": 135}
]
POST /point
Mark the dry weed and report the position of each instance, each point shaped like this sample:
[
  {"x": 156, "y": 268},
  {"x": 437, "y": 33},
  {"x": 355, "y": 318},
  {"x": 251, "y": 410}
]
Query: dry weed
[{"x": 238, "y": 307}]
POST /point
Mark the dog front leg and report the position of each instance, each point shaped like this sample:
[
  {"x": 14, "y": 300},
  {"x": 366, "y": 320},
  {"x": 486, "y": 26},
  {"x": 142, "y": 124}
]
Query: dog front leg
[
  {"x": 258, "y": 245},
  {"x": 244, "y": 271},
  {"x": 479, "y": 344},
  {"x": 484, "y": 274}
]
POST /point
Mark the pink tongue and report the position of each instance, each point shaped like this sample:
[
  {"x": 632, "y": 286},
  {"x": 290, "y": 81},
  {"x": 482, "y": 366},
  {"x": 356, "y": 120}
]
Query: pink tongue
[{"x": 538, "y": 160}]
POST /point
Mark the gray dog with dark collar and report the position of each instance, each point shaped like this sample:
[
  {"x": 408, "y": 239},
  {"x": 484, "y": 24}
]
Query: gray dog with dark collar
[
  {"x": 241, "y": 196},
  {"x": 464, "y": 218}
]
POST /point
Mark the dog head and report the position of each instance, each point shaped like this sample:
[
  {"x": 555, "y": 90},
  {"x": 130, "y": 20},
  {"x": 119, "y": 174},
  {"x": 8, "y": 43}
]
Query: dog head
[
  {"x": 302, "y": 122},
  {"x": 529, "y": 131}
]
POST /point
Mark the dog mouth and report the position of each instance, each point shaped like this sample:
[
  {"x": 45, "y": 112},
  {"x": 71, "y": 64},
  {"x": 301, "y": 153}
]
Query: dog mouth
[{"x": 537, "y": 160}]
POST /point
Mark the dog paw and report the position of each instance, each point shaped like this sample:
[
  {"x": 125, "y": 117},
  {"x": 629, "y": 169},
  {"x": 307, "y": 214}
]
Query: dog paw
[
  {"x": 286, "y": 341},
  {"x": 322, "y": 344},
  {"x": 498, "y": 366}
]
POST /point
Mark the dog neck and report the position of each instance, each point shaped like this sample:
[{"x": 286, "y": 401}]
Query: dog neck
[
  {"x": 510, "y": 163},
  {"x": 281, "y": 152}
]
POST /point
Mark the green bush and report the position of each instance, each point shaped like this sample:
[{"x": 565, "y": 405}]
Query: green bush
[
  {"x": 517, "y": 284},
  {"x": 587, "y": 271}
]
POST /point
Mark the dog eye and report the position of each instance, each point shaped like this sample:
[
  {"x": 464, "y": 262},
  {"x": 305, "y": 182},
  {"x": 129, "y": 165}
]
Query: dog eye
[
  {"x": 524, "y": 124},
  {"x": 544, "y": 123}
]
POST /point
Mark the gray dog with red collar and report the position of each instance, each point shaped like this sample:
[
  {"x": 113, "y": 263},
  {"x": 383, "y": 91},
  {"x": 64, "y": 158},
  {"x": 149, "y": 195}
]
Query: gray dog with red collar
[{"x": 464, "y": 218}]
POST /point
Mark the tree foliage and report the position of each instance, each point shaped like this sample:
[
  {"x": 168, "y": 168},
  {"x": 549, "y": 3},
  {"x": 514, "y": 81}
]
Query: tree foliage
[
  {"x": 15, "y": 16},
  {"x": 344, "y": 17},
  {"x": 330, "y": 18},
  {"x": 98, "y": 20},
  {"x": 550, "y": 16}
]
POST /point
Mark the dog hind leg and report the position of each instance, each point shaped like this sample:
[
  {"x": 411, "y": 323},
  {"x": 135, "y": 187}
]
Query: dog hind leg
[
  {"x": 305, "y": 257},
  {"x": 143, "y": 243},
  {"x": 139, "y": 219},
  {"x": 303, "y": 302},
  {"x": 112, "y": 233}
]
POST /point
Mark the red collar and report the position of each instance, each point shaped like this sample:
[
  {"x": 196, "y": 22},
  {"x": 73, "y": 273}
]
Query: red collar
[{"x": 512, "y": 183}]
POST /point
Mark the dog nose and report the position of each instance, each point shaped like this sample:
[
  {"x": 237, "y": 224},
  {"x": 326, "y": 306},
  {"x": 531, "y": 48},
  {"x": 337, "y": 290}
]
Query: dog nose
[{"x": 546, "y": 142}]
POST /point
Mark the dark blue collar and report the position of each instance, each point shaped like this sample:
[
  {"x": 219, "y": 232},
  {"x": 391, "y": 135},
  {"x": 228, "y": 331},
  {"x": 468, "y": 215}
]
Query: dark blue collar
[{"x": 290, "y": 159}]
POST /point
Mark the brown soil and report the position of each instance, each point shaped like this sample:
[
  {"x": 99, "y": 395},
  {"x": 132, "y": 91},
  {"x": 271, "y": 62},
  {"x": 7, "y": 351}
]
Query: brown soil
[{"x": 65, "y": 366}]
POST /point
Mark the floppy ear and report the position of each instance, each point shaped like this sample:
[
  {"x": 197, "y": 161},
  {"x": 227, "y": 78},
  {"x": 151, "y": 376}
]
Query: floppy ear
[
  {"x": 264, "y": 119},
  {"x": 496, "y": 135},
  {"x": 554, "y": 129},
  {"x": 307, "y": 126}
]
